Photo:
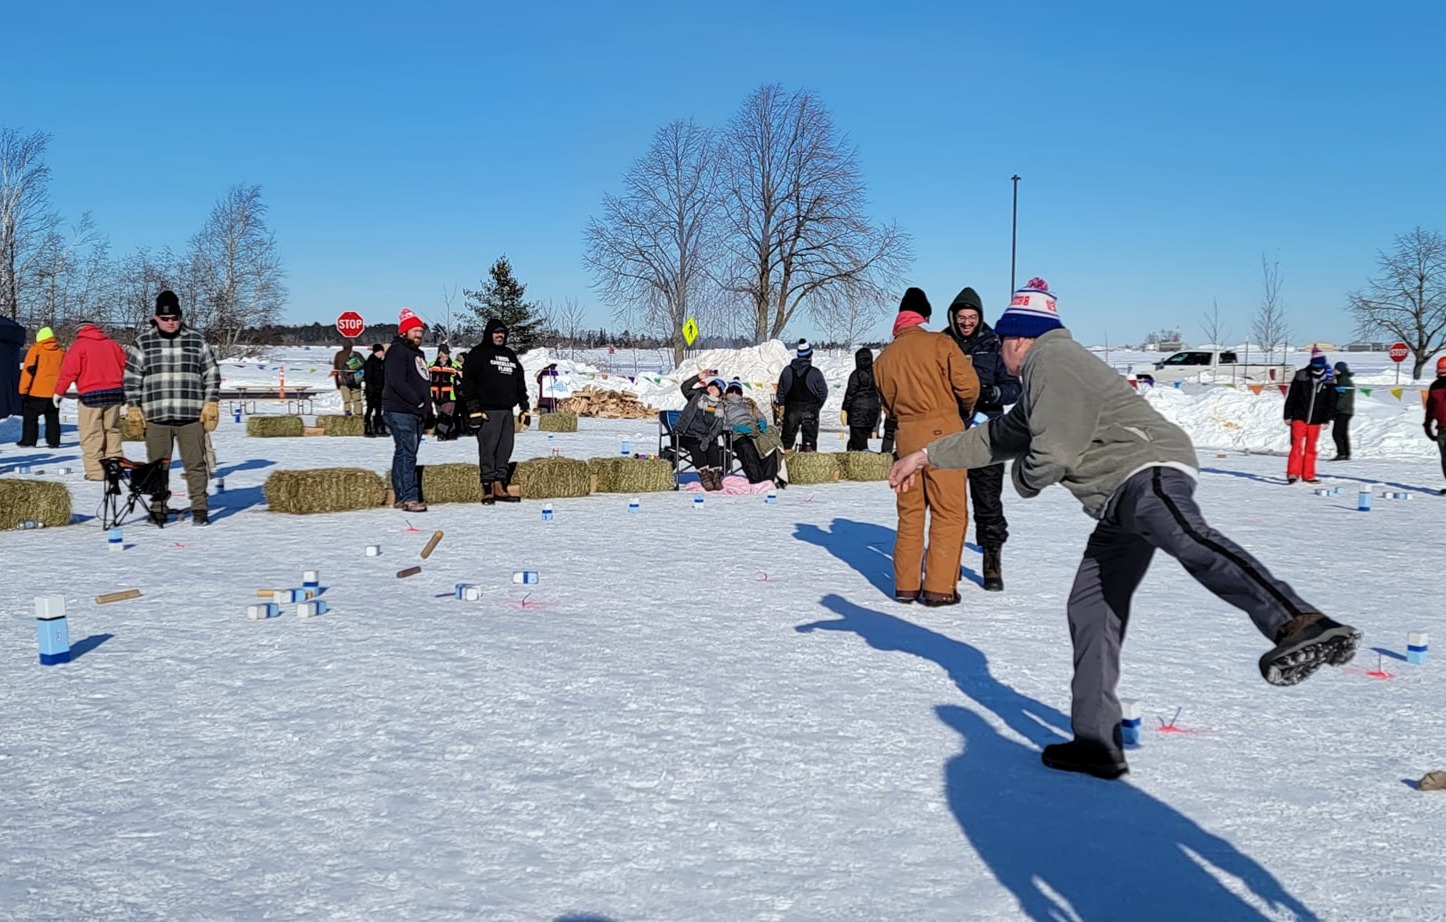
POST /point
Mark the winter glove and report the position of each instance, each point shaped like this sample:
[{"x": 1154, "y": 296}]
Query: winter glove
[
  {"x": 210, "y": 415},
  {"x": 989, "y": 393},
  {"x": 57, "y": 400},
  {"x": 136, "y": 419},
  {"x": 1016, "y": 474},
  {"x": 743, "y": 430},
  {"x": 524, "y": 420},
  {"x": 1430, "y": 433},
  {"x": 843, "y": 418},
  {"x": 763, "y": 425}
]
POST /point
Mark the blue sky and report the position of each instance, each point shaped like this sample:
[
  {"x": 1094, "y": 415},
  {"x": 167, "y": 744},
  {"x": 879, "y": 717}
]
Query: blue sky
[{"x": 402, "y": 147}]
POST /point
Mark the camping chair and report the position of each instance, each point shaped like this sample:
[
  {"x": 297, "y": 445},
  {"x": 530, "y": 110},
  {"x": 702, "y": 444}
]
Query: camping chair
[
  {"x": 129, "y": 484},
  {"x": 672, "y": 451}
]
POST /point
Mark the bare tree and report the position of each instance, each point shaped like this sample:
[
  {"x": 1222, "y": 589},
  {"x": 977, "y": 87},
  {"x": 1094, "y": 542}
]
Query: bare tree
[
  {"x": 570, "y": 318},
  {"x": 1270, "y": 326},
  {"x": 1408, "y": 297},
  {"x": 798, "y": 237},
  {"x": 1213, "y": 327},
  {"x": 652, "y": 251},
  {"x": 71, "y": 272},
  {"x": 135, "y": 283},
  {"x": 25, "y": 216},
  {"x": 238, "y": 275}
]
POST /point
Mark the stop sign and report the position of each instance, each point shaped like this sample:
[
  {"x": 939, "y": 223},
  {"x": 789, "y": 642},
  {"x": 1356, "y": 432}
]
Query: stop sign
[
  {"x": 1398, "y": 352},
  {"x": 350, "y": 324}
]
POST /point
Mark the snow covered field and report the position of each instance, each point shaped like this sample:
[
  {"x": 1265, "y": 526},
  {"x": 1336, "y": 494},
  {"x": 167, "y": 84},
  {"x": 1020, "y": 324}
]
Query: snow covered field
[{"x": 715, "y": 714}]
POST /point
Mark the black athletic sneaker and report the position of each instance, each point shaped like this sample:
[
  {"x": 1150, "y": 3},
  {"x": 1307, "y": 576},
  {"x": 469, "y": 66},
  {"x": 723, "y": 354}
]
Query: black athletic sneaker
[
  {"x": 1306, "y": 643},
  {"x": 1087, "y": 758}
]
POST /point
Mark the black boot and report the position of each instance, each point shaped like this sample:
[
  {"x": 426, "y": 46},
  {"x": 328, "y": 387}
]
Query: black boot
[
  {"x": 993, "y": 572},
  {"x": 1306, "y": 643},
  {"x": 1086, "y": 757},
  {"x": 488, "y": 497}
]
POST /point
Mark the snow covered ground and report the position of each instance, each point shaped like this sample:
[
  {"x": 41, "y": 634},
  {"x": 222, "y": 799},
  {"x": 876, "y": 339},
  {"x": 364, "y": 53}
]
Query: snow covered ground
[{"x": 714, "y": 714}]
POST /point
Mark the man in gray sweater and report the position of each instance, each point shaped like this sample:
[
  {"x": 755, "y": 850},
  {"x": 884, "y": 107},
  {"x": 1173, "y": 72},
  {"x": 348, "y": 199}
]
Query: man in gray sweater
[{"x": 1079, "y": 424}]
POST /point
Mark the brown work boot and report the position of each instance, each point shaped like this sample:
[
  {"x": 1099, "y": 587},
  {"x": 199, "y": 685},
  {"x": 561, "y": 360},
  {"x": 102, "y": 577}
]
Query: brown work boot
[
  {"x": 993, "y": 570},
  {"x": 499, "y": 490},
  {"x": 488, "y": 496},
  {"x": 906, "y": 596},
  {"x": 938, "y": 599}
]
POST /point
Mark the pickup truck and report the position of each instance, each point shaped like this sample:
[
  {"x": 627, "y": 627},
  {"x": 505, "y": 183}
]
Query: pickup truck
[{"x": 1209, "y": 367}]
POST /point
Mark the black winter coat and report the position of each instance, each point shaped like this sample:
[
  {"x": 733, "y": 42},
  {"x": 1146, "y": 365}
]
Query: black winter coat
[
  {"x": 374, "y": 376},
  {"x": 1311, "y": 398},
  {"x": 492, "y": 377},
  {"x": 861, "y": 397},
  {"x": 12, "y": 347},
  {"x": 997, "y": 387},
  {"x": 801, "y": 384},
  {"x": 698, "y": 421},
  {"x": 407, "y": 387}
]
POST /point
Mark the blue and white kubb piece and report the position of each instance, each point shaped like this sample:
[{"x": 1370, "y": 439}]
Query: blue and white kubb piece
[
  {"x": 459, "y": 591},
  {"x": 624, "y": 448},
  {"x": 262, "y": 610},
  {"x": 374, "y": 550},
  {"x": 525, "y": 577},
  {"x": 1129, "y": 722},
  {"x": 311, "y": 579},
  {"x": 771, "y": 498},
  {"x": 292, "y": 596},
  {"x": 547, "y": 512},
  {"x": 1417, "y": 647},
  {"x": 1363, "y": 499},
  {"x": 51, "y": 630},
  {"x": 115, "y": 540},
  {"x": 633, "y": 506},
  {"x": 312, "y": 608},
  {"x": 697, "y": 502}
]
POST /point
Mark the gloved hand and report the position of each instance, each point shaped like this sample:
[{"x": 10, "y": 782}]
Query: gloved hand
[
  {"x": 210, "y": 415},
  {"x": 763, "y": 425},
  {"x": 743, "y": 430},
  {"x": 524, "y": 420},
  {"x": 135, "y": 419},
  {"x": 989, "y": 393},
  {"x": 1016, "y": 474},
  {"x": 57, "y": 400},
  {"x": 843, "y": 418},
  {"x": 1430, "y": 432}
]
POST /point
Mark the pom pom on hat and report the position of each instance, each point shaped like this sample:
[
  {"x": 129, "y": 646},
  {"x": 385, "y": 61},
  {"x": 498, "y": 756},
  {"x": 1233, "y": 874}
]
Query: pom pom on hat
[
  {"x": 409, "y": 321},
  {"x": 1032, "y": 312},
  {"x": 804, "y": 350},
  {"x": 734, "y": 385}
]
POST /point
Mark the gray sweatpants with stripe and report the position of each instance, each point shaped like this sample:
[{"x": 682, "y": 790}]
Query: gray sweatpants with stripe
[{"x": 1153, "y": 510}]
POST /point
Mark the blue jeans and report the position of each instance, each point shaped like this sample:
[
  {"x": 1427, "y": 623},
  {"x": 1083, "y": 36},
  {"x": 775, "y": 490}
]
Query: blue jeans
[{"x": 406, "y": 432}]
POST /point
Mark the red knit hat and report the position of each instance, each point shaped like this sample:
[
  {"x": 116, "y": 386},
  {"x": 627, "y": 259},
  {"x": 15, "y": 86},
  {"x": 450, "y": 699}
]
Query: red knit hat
[
  {"x": 408, "y": 322},
  {"x": 1441, "y": 365}
]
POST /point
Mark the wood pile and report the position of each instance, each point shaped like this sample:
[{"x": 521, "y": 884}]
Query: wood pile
[{"x": 601, "y": 404}]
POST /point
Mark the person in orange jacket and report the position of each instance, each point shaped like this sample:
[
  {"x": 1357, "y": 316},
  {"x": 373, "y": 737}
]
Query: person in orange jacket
[
  {"x": 37, "y": 390},
  {"x": 929, "y": 387}
]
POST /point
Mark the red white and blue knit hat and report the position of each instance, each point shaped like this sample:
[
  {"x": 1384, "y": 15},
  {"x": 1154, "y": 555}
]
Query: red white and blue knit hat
[{"x": 1032, "y": 312}]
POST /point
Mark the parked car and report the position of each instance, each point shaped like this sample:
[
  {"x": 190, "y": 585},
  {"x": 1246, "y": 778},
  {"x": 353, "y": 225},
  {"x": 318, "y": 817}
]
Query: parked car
[{"x": 1207, "y": 366}]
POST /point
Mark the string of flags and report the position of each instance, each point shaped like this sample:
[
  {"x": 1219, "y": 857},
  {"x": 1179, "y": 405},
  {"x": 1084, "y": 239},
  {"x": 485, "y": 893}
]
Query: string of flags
[{"x": 1257, "y": 389}]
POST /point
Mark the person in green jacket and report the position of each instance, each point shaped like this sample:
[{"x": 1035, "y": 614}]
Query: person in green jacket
[
  {"x": 1079, "y": 424},
  {"x": 1345, "y": 409}
]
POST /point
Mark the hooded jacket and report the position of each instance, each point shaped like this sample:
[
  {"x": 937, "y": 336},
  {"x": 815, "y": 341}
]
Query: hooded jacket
[
  {"x": 96, "y": 365},
  {"x": 41, "y": 369},
  {"x": 801, "y": 384},
  {"x": 702, "y": 418},
  {"x": 406, "y": 385},
  {"x": 1312, "y": 397},
  {"x": 12, "y": 341},
  {"x": 170, "y": 377},
  {"x": 374, "y": 375},
  {"x": 1345, "y": 390},
  {"x": 1077, "y": 423},
  {"x": 861, "y": 397},
  {"x": 997, "y": 387},
  {"x": 492, "y": 377}
]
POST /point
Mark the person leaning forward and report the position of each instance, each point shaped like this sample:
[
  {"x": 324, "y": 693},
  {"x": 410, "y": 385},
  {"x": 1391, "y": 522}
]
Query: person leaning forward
[
  {"x": 1079, "y": 424},
  {"x": 924, "y": 382}
]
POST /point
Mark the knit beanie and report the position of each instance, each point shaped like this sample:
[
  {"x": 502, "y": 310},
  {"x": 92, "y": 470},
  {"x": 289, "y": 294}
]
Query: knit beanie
[
  {"x": 43, "y": 334},
  {"x": 804, "y": 350},
  {"x": 1031, "y": 313},
  {"x": 408, "y": 322},
  {"x": 167, "y": 304},
  {"x": 734, "y": 385},
  {"x": 1317, "y": 357},
  {"x": 1441, "y": 365},
  {"x": 916, "y": 301}
]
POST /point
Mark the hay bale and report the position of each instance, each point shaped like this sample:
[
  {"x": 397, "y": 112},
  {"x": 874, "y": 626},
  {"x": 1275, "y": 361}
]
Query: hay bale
[
  {"x": 131, "y": 431},
  {"x": 552, "y": 478},
  {"x": 863, "y": 465},
  {"x": 327, "y": 489},
  {"x": 557, "y": 422},
  {"x": 35, "y": 501},
  {"x": 807, "y": 467},
  {"x": 342, "y": 425},
  {"x": 450, "y": 483},
  {"x": 268, "y": 427},
  {"x": 617, "y": 474}
]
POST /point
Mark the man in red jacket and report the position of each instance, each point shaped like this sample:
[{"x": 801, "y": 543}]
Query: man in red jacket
[
  {"x": 96, "y": 365},
  {"x": 1436, "y": 412}
]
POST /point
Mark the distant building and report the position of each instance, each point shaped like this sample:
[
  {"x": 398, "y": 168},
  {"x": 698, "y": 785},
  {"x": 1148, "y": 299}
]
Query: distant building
[{"x": 1363, "y": 346}]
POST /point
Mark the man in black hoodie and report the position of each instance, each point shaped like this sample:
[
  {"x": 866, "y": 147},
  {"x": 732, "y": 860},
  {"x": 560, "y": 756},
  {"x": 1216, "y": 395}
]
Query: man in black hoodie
[
  {"x": 406, "y": 404},
  {"x": 801, "y": 392},
  {"x": 997, "y": 389},
  {"x": 861, "y": 402},
  {"x": 492, "y": 384},
  {"x": 374, "y": 379}
]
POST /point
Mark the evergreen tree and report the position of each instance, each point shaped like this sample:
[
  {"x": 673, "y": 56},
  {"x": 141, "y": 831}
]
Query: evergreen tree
[{"x": 501, "y": 298}]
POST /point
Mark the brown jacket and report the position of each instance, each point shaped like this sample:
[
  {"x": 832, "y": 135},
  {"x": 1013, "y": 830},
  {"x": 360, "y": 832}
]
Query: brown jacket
[{"x": 927, "y": 385}]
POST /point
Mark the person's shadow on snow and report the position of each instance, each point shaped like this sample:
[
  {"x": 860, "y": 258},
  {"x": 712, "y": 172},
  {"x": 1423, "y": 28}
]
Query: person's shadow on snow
[
  {"x": 867, "y": 548},
  {"x": 1066, "y": 846}
]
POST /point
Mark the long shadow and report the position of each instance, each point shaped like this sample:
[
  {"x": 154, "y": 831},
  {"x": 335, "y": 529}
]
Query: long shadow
[
  {"x": 864, "y": 546},
  {"x": 81, "y": 648},
  {"x": 1068, "y": 846},
  {"x": 233, "y": 501},
  {"x": 251, "y": 465},
  {"x": 1280, "y": 481},
  {"x": 1107, "y": 849},
  {"x": 44, "y": 461}
]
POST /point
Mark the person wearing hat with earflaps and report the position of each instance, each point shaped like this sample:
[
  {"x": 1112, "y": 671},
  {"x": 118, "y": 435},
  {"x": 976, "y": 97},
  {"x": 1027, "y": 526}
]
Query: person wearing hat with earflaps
[
  {"x": 1435, "y": 424},
  {"x": 1078, "y": 423}
]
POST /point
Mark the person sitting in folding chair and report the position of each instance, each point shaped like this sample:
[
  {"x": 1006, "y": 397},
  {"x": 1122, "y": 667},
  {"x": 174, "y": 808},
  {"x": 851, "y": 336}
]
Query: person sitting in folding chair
[
  {"x": 700, "y": 426},
  {"x": 758, "y": 448}
]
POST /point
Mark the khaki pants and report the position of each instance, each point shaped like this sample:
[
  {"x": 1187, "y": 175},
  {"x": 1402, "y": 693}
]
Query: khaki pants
[
  {"x": 100, "y": 437},
  {"x": 191, "y": 439},
  {"x": 351, "y": 401},
  {"x": 939, "y": 496}
]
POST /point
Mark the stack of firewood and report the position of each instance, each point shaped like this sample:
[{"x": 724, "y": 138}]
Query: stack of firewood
[{"x": 601, "y": 404}]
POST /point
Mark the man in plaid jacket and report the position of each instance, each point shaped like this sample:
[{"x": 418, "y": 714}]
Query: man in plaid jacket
[{"x": 172, "y": 384}]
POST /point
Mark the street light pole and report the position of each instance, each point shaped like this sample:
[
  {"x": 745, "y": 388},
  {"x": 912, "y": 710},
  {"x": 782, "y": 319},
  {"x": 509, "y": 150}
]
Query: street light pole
[{"x": 1014, "y": 234}]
